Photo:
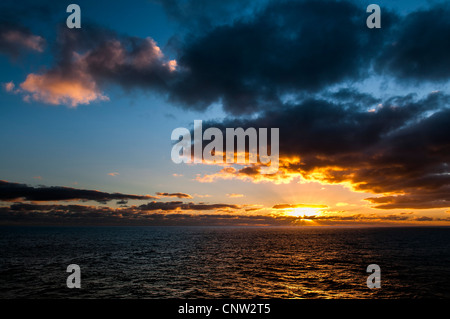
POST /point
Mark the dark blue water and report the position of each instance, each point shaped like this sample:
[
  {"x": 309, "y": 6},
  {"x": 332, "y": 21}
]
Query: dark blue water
[{"x": 224, "y": 262}]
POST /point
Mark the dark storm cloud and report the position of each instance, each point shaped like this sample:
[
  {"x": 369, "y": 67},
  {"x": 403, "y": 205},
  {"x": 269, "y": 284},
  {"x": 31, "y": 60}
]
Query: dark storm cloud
[
  {"x": 128, "y": 61},
  {"x": 439, "y": 198},
  {"x": 321, "y": 127},
  {"x": 204, "y": 14},
  {"x": 252, "y": 59},
  {"x": 15, "y": 191},
  {"x": 29, "y": 10},
  {"x": 248, "y": 64},
  {"x": 402, "y": 147},
  {"x": 287, "y": 47},
  {"x": 419, "y": 49},
  {"x": 352, "y": 98}
]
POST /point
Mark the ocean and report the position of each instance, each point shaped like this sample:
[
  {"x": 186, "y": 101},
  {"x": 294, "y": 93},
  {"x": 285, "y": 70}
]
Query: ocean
[{"x": 224, "y": 262}]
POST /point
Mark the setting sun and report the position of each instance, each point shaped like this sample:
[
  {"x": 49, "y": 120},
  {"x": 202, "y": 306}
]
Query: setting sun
[{"x": 303, "y": 211}]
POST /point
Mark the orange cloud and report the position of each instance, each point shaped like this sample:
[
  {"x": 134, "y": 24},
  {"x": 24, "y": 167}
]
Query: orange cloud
[
  {"x": 33, "y": 42},
  {"x": 55, "y": 88},
  {"x": 171, "y": 65},
  {"x": 9, "y": 87},
  {"x": 233, "y": 195},
  {"x": 75, "y": 79},
  {"x": 250, "y": 173},
  {"x": 355, "y": 178}
]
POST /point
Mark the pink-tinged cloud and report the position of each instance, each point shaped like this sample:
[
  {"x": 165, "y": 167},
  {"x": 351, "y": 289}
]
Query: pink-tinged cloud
[
  {"x": 149, "y": 53},
  {"x": 9, "y": 87},
  {"x": 113, "y": 174},
  {"x": 30, "y": 41},
  {"x": 57, "y": 88},
  {"x": 171, "y": 65},
  {"x": 77, "y": 77},
  {"x": 15, "y": 39}
]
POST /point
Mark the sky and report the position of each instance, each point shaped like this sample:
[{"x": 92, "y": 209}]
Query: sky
[{"x": 86, "y": 115}]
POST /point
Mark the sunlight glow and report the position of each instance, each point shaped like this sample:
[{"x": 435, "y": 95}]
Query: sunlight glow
[{"x": 303, "y": 211}]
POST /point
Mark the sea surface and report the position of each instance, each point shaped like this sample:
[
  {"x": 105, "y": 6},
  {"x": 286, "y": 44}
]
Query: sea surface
[{"x": 224, "y": 262}]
